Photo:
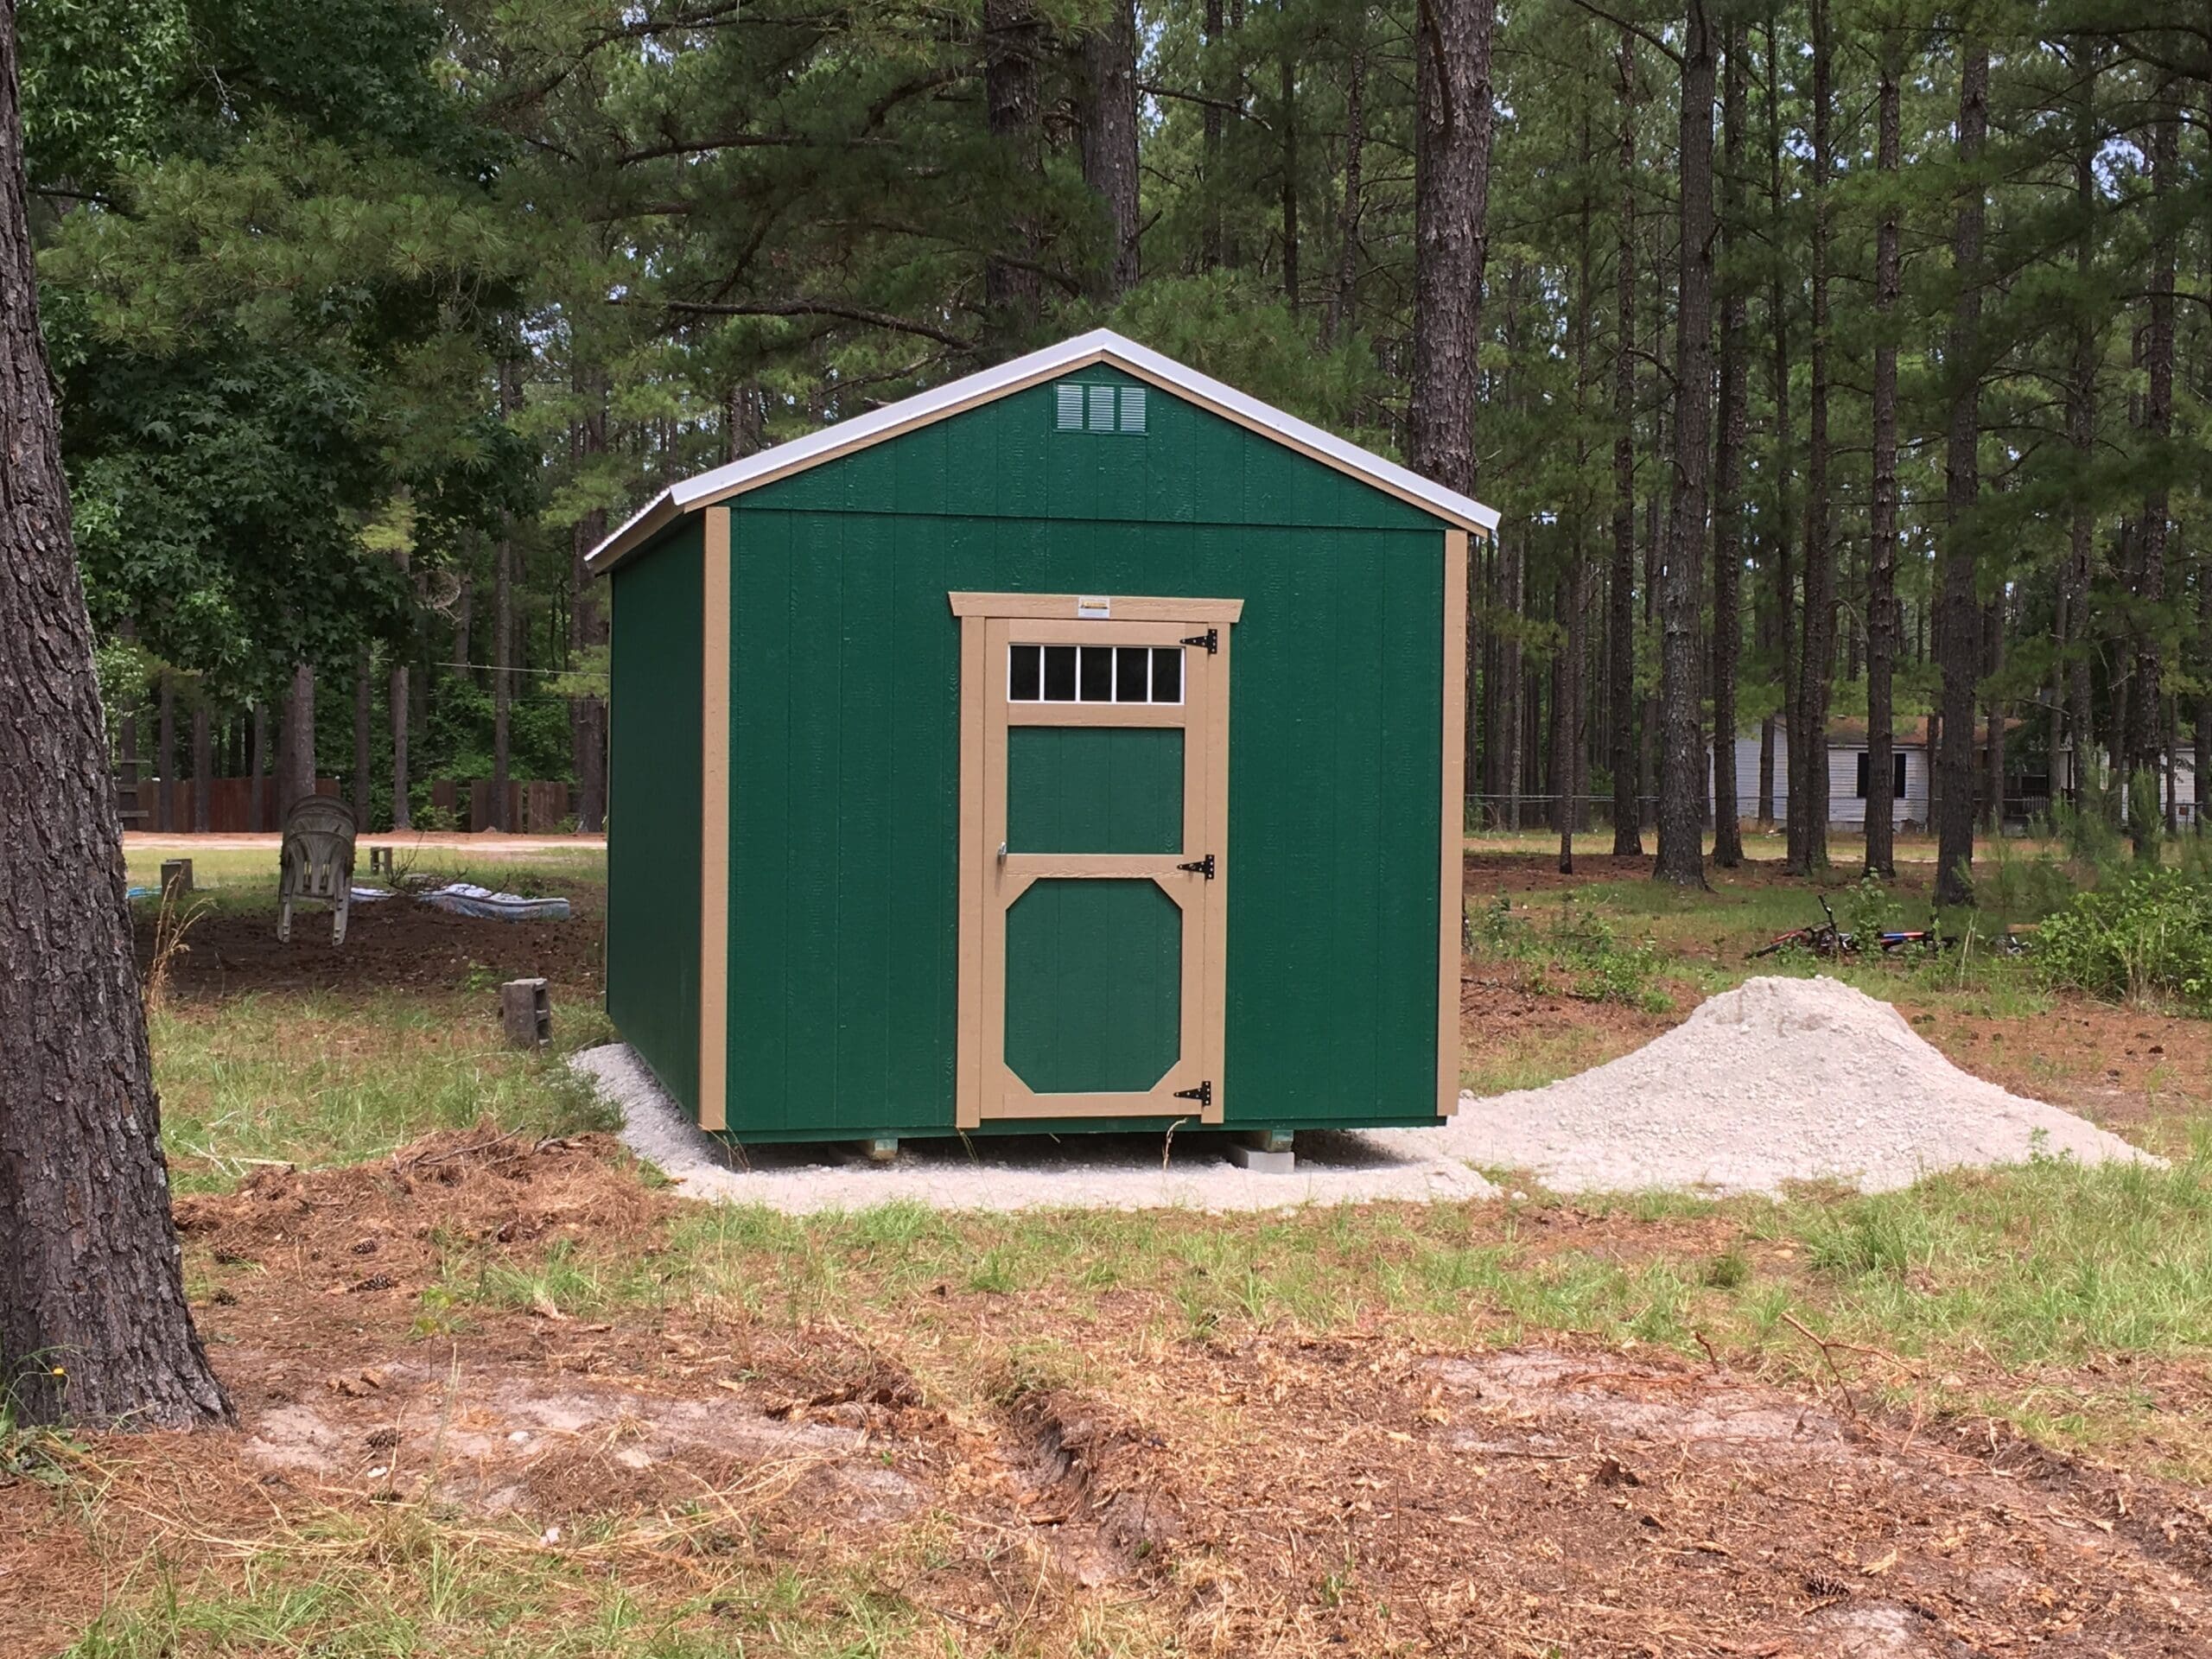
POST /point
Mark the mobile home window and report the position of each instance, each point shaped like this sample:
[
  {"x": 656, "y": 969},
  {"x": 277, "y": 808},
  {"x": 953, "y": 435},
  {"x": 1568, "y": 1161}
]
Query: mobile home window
[{"x": 1897, "y": 761}]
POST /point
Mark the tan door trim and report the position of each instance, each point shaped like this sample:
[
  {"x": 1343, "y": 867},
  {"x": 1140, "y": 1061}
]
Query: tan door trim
[
  {"x": 713, "y": 823},
  {"x": 984, "y": 1087},
  {"x": 1118, "y": 608},
  {"x": 1452, "y": 873}
]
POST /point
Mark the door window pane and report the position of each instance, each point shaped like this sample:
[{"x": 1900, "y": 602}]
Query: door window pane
[
  {"x": 1132, "y": 674},
  {"x": 1095, "y": 683},
  {"x": 1025, "y": 678},
  {"x": 1168, "y": 674},
  {"x": 1059, "y": 673}
]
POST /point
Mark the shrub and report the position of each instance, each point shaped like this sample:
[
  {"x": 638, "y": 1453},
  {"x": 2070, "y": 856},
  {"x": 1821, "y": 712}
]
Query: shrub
[{"x": 2144, "y": 935}]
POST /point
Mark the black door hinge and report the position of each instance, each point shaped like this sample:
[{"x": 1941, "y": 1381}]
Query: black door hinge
[
  {"x": 1211, "y": 639},
  {"x": 1200, "y": 866},
  {"x": 1203, "y": 1094}
]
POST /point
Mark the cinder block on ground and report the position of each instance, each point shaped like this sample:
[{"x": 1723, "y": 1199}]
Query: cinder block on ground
[{"x": 1267, "y": 1154}]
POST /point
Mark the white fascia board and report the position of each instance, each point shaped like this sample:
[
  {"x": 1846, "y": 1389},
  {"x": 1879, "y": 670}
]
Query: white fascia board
[{"x": 1100, "y": 346}]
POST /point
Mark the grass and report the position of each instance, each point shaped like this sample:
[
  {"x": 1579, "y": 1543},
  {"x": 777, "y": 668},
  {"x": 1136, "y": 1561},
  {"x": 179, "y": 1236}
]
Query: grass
[{"x": 316, "y": 1079}]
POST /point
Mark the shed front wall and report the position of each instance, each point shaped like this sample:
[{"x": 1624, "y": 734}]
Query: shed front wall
[
  {"x": 844, "y": 758},
  {"x": 652, "y": 827}
]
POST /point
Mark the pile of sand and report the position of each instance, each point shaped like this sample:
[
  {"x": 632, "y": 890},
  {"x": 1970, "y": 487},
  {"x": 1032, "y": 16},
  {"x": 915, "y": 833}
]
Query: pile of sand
[{"x": 1778, "y": 1080}]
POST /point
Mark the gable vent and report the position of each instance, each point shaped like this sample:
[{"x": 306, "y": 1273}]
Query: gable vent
[{"x": 1079, "y": 407}]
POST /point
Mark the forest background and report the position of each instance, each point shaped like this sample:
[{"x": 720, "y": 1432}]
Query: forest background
[{"x": 1843, "y": 358}]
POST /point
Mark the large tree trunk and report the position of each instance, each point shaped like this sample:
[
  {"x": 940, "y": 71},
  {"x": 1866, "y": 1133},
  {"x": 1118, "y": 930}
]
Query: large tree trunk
[
  {"x": 1210, "y": 180},
  {"x": 1013, "y": 285},
  {"x": 1110, "y": 142},
  {"x": 1882, "y": 554},
  {"x": 2146, "y": 734},
  {"x": 1628, "y": 840},
  {"x": 1682, "y": 839},
  {"x": 1808, "y": 739},
  {"x": 1958, "y": 636},
  {"x": 402, "y": 815},
  {"x": 1288, "y": 101},
  {"x": 1734, "y": 420},
  {"x": 1574, "y": 598},
  {"x": 93, "y": 1324},
  {"x": 1994, "y": 744},
  {"x": 1451, "y": 207},
  {"x": 2082, "y": 434}
]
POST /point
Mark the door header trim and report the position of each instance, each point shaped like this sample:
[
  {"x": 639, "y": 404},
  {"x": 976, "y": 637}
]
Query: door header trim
[{"x": 1068, "y": 607}]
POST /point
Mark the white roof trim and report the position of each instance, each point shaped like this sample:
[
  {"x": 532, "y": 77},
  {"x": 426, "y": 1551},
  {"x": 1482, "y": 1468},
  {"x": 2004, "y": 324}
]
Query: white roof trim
[{"x": 1100, "y": 346}]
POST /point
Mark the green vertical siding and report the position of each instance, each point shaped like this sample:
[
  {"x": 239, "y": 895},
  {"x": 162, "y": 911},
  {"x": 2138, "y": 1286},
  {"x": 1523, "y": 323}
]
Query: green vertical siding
[
  {"x": 1094, "y": 789},
  {"x": 652, "y": 832}
]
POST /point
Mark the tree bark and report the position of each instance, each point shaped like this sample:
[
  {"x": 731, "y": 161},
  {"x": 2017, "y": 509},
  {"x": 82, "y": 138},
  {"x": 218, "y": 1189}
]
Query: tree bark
[
  {"x": 1957, "y": 635},
  {"x": 93, "y": 1324},
  {"x": 1779, "y": 527},
  {"x": 1733, "y": 419},
  {"x": 2082, "y": 434},
  {"x": 1681, "y": 838},
  {"x": 203, "y": 764},
  {"x": 1012, "y": 288},
  {"x": 1343, "y": 303},
  {"x": 165, "y": 754},
  {"x": 2146, "y": 733},
  {"x": 503, "y": 605},
  {"x": 1808, "y": 740},
  {"x": 295, "y": 742},
  {"x": 1211, "y": 179},
  {"x": 1994, "y": 744},
  {"x": 587, "y": 630},
  {"x": 1454, "y": 113},
  {"x": 1881, "y": 552},
  {"x": 1109, "y": 142},
  {"x": 1628, "y": 839},
  {"x": 364, "y": 722},
  {"x": 1289, "y": 102}
]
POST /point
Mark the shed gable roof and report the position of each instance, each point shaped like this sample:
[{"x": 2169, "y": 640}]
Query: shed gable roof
[{"x": 1084, "y": 350}]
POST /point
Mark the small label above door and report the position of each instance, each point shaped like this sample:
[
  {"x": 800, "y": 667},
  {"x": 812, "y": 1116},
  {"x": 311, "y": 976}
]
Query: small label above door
[{"x": 1093, "y": 607}]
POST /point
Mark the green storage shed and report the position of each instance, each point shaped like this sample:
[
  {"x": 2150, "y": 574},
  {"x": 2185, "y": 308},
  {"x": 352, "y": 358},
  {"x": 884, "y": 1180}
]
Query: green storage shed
[{"x": 1078, "y": 745}]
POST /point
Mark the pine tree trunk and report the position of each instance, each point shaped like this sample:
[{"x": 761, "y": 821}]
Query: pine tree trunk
[
  {"x": 1733, "y": 419},
  {"x": 203, "y": 765},
  {"x": 295, "y": 742},
  {"x": 1110, "y": 142},
  {"x": 1784, "y": 574},
  {"x": 363, "y": 724},
  {"x": 93, "y": 1324},
  {"x": 1211, "y": 178},
  {"x": 1682, "y": 839},
  {"x": 1289, "y": 103},
  {"x": 165, "y": 755},
  {"x": 1451, "y": 207},
  {"x": 1958, "y": 638},
  {"x": 1343, "y": 308},
  {"x": 1012, "y": 286},
  {"x": 1994, "y": 744},
  {"x": 1509, "y": 676},
  {"x": 2082, "y": 434},
  {"x": 1882, "y": 554},
  {"x": 587, "y": 630},
  {"x": 503, "y": 605},
  {"x": 2146, "y": 735},
  {"x": 1808, "y": 740},
  {"x": 1628, "y": 840}
]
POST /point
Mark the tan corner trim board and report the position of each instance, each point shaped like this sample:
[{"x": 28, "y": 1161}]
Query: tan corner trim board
[
  {"x": 714, "y": 823},
  {"x": 1452, "y": 873},
  {"x": 1070, "y": 607}
]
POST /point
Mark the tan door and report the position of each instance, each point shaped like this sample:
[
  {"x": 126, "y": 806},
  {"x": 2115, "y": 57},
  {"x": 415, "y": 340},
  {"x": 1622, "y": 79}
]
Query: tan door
[{"x": 1096, "y": 861}]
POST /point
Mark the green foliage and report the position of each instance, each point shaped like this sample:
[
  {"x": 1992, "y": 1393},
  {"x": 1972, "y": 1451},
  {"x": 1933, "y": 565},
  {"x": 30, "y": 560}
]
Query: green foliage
[
  {"x": 1577, "y": 950},
  {"x": 2145, "y": 935}
]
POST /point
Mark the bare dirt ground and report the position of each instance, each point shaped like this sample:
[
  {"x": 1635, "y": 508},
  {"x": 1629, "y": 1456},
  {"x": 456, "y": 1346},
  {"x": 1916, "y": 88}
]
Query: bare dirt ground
[{"x": 1265, "y": 1494}]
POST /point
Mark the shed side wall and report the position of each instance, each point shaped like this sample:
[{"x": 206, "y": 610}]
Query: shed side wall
[
  {"x": 653, "y": 841},
  {"x": 845, "y": 769}
]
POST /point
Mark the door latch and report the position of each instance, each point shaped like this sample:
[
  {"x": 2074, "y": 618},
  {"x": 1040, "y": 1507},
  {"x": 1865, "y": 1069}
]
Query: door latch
[
  {"x": 1203, "y": 1094},
  {"x": 1211, "y": 639},
  {"x": 1199, "y": 867}
]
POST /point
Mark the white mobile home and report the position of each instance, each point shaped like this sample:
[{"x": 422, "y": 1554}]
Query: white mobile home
[{"x": 1849, "y": 786}]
